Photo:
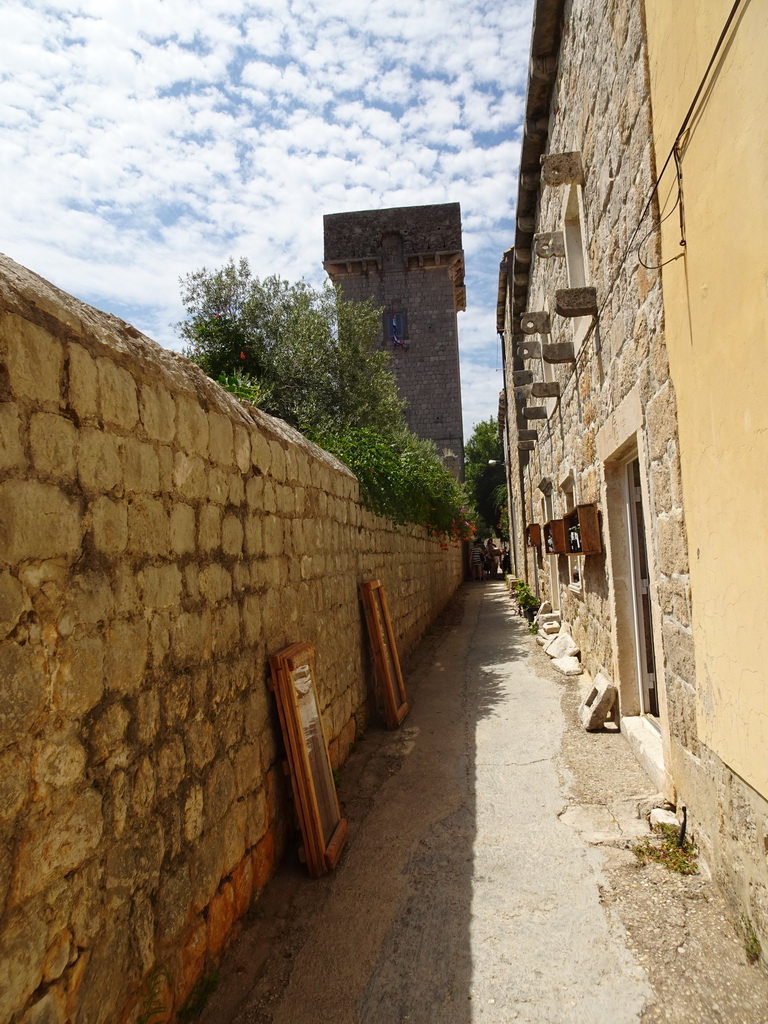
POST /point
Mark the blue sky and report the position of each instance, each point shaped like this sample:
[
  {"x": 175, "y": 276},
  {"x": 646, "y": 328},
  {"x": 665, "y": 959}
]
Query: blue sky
[{"x": 145, "y": 139}]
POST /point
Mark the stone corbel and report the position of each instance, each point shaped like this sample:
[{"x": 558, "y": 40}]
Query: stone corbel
[
  {"x": 530, "y": 181},
  {"x": 526, "y": 224},
  {"x": 535, "y": 323},
  {"x": 562, "y": 169},
  {"x": 573, "y": 302},
  {"x": 526, "y": 446},
  {"x": 522, "y": 377},
  {"x": 545, "y": 389},
  {"x": 549, "y": 244},
  {"x": 529, "y": 349},
  {"x": 535, "y": 412},
  {"x": 562, "y": 352},
  {"x": 523, "y": 256},
  {"x": 528, "y": 435},
  {"x": 521, "y": 278}
]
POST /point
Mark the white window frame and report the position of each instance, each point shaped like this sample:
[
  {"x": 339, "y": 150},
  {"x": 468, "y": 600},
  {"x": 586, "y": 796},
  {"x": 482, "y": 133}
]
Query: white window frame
[{"x": 570, "y": 499}]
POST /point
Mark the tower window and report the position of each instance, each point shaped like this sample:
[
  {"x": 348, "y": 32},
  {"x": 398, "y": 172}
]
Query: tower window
[{"x": 395, "y": 328}]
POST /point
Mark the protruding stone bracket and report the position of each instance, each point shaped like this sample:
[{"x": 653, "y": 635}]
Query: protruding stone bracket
[
  {"x": 546, "y": 389},
  {"x": 521, "y": 278},
  {"x": 522, "y": 377},
  {"x": 572, "y": 302},
  {"x": 528, "y": 435},
  {"x": 548, "y": 244},
  {"x": 523, "y": 256},
  {"x": 535, "y": 323},
  {"x": 526, "y": 224},
  {"x": 562, "y": 169},
  {"x": 535, "y": 412},
  {"x": 562, "y": 352},
  {"x": 529, "y": 349},
  {"x": 526, "y": 446},
  {"x": 530, "y": 181}
]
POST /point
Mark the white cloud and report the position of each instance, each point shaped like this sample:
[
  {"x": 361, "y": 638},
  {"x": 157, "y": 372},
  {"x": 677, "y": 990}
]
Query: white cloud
[{"x": 143, "y": 140}]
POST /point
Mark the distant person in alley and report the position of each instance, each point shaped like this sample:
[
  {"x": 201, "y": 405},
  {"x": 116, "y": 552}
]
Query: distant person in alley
[
  {"x": 477, "y": 560},
  {"x": 492, "y": 559}
]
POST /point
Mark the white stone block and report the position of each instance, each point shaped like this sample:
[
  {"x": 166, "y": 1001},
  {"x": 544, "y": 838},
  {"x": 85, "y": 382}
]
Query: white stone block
[
  {"x": 596, "y": 706},
  {"x": 660, "y": 816},
  {"x": 562, "y": 646},
  {"x": 569, "y": 666}
]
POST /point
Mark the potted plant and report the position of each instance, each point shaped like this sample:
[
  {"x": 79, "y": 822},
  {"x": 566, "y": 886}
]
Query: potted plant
[{"x": 527, "y": 601}]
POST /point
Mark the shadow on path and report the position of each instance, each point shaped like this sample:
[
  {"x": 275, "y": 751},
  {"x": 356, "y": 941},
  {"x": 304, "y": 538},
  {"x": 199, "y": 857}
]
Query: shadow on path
[{"x": 461, "y": 896}]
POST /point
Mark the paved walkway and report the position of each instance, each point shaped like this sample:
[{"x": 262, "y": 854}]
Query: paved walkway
[{"x": 473, "y": 888}]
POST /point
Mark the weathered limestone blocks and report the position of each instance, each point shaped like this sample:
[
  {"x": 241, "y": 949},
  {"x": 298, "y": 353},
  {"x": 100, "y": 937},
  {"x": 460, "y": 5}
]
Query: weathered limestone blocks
[
  {"x": 158, "y": 541},
  {"x": 568, "y": 665},
  {"x": 562, "y": 646},
  {"x": 598, "y": 703}
]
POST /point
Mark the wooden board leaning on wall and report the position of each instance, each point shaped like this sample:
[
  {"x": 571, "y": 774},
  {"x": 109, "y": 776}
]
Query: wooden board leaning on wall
[
  {"x": 323, "y": 829},
  {"x": 391, "y": 688}
]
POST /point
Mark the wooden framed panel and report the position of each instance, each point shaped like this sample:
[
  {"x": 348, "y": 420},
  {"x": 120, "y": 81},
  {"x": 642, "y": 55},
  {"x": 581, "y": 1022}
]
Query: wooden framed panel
[
  {"x": 323, "y": 829},
  {"x": 390, "y": 678},
  {"x": 533, "y": 535},
  {"x": 582, "y": 531},
  {"x": 554, "y": 537}
]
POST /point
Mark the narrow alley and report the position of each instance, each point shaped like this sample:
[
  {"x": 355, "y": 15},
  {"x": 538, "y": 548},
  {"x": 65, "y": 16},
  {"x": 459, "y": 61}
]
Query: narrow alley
[{"x": 488, "y": 874}]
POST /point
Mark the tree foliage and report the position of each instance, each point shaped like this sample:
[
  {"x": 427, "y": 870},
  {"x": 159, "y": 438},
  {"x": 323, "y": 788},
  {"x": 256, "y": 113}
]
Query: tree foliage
[
  {"x": 310, "y": 352},
  {"x": 486, "y": 483},
  {"x": 402, "y": 478},
  {"x": 310, "y": 357}
]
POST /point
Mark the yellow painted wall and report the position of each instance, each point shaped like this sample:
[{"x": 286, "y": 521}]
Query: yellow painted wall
[{"x": 716, "y": 309}]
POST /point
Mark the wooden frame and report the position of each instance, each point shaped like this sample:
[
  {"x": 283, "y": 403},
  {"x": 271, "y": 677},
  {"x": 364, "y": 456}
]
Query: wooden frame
[
  {"x": 533, "y": 535},
  {"x": 582, "y": 531},
  {"x": 554, "y": 537},
  {"x": 323, "y": 829},
  {"x": 391, "y": 687}
]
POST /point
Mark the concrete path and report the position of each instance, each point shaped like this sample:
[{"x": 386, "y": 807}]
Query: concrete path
[{"x": 463, "y": 895}]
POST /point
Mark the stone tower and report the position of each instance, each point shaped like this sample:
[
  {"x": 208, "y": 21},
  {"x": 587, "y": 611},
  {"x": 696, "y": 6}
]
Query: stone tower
[{"x": 410, "y": 261}]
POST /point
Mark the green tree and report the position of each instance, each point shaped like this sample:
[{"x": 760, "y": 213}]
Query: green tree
[
  {"x": 310, "y": 354},
  {"x": 310, "y": 357},
  {"x": 486, "y": 483}
]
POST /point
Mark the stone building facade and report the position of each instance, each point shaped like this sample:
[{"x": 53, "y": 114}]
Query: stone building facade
[
  {"x": 410, "y": 262},
  {"x": 158, "y": 542},
  {"x": 592, "y": 420}
]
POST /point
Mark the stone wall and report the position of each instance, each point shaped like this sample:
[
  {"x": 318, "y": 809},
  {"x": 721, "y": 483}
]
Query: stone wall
[
  {"x": 624, "y": 359},
  {"x": 616, "y": 400},
  {"x": 158, "y": 541}
]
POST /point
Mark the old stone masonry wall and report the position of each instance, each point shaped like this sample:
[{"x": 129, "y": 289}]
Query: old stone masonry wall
[{"x": 158, "y": 541}]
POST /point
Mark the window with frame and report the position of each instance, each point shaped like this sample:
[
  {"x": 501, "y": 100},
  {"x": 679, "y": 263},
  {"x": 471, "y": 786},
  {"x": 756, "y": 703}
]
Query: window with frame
[
  {"x": 575, "y": 258},
  {"x": 395, "y": 328},
  {"x": 575, "y": 562}
]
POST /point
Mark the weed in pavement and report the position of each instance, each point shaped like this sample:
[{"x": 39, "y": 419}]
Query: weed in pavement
[
  {"x": 677, "y": 858},
  {"x": 752, "y": 946}
]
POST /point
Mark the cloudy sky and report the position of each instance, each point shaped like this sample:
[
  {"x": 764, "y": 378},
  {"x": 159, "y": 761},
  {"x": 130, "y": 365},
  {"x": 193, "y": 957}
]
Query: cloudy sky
[{"x": 143, "y": 139}]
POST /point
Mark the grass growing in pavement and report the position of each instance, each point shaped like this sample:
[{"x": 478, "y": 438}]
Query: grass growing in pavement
[
  {"x": 666, "y": 851},
  {"x": 752, "y": 946}
]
